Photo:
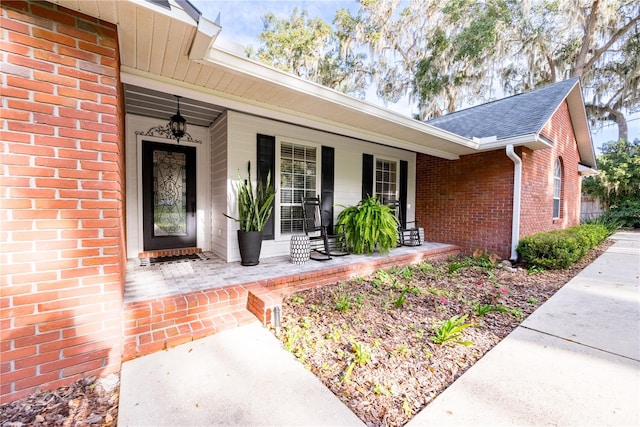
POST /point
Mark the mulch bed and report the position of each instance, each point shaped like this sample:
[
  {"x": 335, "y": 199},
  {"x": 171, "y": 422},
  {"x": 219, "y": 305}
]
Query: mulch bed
[
  {"x": 88, "y": 402},
  {"x": 369, "y": 339},
  {"x": 390, "y": 318}
]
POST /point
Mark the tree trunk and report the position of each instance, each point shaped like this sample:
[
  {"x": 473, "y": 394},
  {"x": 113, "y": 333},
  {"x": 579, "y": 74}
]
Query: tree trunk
[{"x": 623, "y": 129}]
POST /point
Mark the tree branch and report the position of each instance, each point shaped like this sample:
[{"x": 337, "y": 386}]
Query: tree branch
[{"x": 598, "y": 52}]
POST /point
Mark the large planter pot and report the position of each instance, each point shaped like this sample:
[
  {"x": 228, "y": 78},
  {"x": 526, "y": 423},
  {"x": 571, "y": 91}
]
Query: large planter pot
[{"x": 250, "y": 243}]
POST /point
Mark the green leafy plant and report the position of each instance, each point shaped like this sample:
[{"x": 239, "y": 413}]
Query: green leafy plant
[
  {"x": 368, "y": 225},
  {"x": 254, "y": 204},
  {"x": 450, "y": 330},
  {"x": 342, "y": 301},
  {"x": 296, "y": 299},
  {"x": 399, "y": 302},
  {"x": 534, "y": 269},
  {"x": 362, "y": 354}
]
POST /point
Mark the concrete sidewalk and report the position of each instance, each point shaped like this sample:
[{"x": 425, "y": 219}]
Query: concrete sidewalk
[{"x": 575, "y": 361}]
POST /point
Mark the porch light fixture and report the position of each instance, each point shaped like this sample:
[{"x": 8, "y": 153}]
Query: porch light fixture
[
  {"x": 175, "y": 129},
  {"x": 178, "y": 124}
]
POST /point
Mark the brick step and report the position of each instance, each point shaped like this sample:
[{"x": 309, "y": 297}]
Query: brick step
[{"x": 156, "y": 324}]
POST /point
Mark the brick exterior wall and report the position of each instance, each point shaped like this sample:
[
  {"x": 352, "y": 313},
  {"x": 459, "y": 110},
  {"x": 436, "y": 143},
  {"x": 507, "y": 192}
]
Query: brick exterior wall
[
  {"x": 536, "y": 210},
  {"x": 469, "y": 202},
  {"x": 466, "y": 202},
  {"x": 61, "y": 198}
]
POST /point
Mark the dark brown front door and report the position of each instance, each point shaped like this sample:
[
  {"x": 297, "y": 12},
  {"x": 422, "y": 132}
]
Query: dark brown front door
[{"x": 168, "y": 196}]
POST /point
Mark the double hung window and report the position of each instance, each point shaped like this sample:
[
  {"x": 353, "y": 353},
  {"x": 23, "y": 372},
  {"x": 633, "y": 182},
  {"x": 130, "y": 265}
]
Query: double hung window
[
  {"x": 299, "y": 177},
  {"x": 557, "y": 189},
  {"x": 386, "y": 179}
]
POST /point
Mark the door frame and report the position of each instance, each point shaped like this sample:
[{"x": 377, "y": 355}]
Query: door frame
[
  {"x": 134, "y": 227},
  {"x": 169, "y": 242}
]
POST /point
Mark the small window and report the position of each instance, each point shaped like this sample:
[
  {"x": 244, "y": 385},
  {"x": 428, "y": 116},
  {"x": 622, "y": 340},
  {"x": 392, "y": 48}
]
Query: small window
[
  {"x": 557, "y": 189},
  {"x": 299, "y": 173},
  {"x": 386, "y": 179}
]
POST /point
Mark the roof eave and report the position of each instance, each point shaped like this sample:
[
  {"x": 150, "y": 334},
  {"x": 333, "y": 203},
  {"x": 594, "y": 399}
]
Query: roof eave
[
  {"x": 533, "y": 141},
  {"x": 581, "y": 129},
  {"x": 324, "y": 96}
]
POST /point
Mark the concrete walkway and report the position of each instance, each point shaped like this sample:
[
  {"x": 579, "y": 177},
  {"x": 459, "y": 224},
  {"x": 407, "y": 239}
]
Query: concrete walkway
[{"x": 575, "y": 361}]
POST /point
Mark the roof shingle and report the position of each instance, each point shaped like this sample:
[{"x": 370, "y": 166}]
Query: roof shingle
[{"x": 522, "y": 114}]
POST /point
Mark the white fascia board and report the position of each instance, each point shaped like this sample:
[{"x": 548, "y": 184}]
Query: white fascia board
[
  {"x": 151, "y": 81},
  {"x": 532, "y": 141},
  {"x": 586, "y": 170},
  {"x": 580, "y": 123},
  {"x": 206, "y": 35},
  {"x": 243, "y": 65}
]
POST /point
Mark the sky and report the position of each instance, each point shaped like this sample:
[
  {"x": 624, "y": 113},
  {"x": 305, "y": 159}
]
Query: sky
[{"x": 241, "y": 22}]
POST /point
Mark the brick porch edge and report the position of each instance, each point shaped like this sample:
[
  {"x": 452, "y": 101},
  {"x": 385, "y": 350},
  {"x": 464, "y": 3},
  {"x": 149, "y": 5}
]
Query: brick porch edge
[{"x": 160, "y": 323}]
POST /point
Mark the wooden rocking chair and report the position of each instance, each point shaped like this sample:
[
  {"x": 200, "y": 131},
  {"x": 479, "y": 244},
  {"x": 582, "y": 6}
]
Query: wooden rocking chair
[
  {"x": 323, "y": 244},
  {"x": 407, "y": 235}
]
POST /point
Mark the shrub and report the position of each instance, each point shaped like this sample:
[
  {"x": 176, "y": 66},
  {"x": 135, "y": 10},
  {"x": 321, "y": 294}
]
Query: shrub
[
  {"x": 626, "y": 214},
  {"x": 560, "y": 248}
]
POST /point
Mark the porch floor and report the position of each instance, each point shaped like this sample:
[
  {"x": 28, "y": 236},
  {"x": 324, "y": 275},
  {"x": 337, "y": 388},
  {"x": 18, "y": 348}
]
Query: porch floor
[{"x": 183, "y": 277}]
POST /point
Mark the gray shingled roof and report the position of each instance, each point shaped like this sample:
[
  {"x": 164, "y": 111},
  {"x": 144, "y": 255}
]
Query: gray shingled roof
[{"x": 522, "y": 114}]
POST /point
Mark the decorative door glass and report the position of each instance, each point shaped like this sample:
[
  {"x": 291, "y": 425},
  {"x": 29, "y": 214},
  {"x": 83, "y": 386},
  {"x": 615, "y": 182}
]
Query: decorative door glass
[{"x": 169, "y": 194}]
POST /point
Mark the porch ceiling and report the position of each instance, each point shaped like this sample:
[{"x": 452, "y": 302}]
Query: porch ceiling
[
  {"x": 168, "y": 45},
  {"x": 161, "y": 105}
]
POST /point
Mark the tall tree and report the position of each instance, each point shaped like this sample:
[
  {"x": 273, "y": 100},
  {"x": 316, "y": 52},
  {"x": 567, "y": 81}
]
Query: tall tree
[
  {"x": 596, "y": 40},
  {"x": 619, "y": 177},
  {"x": 310, "y": 48},
  {"x": 455, "y": 52},
  {"x": 451, "y": 53}
]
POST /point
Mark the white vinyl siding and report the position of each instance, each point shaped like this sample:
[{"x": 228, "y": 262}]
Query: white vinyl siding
[{"x": 242, "y": 131}]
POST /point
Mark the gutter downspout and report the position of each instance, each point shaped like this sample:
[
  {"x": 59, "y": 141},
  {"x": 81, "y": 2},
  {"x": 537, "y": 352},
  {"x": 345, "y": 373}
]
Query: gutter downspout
[{"x": 517, "y": 184}]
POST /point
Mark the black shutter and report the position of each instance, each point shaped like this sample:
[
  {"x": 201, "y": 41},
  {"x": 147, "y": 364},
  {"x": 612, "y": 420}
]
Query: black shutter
[
  {"x": 266, "y": 149},
  {"x": 367, "y": 175},
  {"x": 404, "y": 172},
  {"x": 327, "y": 181}
]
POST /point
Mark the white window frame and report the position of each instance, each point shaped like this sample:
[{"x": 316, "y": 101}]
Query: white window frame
[
  {"x": 375, "y": 181},
  {"x": 278, "y": 235},
  {"x": 557, "y": 189}
]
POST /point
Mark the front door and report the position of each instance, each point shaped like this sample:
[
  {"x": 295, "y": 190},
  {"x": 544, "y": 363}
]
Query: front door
[{"x": 168, "y": 196}]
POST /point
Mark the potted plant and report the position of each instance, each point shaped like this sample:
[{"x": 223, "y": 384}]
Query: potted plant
[
  {"x": 254, "y": 209},
  {"x": 369, "y": 224}
]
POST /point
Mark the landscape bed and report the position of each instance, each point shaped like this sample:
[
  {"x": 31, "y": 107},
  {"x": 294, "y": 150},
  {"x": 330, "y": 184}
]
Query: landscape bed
[
  {"x": 389, "y": 343},
  {"x": 388, "y": 324}
]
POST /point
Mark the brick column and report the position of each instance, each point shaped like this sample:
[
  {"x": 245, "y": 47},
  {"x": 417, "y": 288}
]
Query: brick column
[{"x": 62, "y": 255}]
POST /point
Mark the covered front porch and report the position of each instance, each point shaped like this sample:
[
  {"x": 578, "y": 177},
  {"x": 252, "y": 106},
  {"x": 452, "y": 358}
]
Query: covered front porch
[{"x": 168, "y": 304}]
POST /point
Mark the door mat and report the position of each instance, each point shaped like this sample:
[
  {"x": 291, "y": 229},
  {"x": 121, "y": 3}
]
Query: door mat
[{"x": 172, "y": 259}]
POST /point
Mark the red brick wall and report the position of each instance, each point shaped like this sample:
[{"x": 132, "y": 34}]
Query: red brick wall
[
  {"x": 61, "y": 198},
  {"x": 466, "y": 202},
  {"x": 538, "y": 167}
]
